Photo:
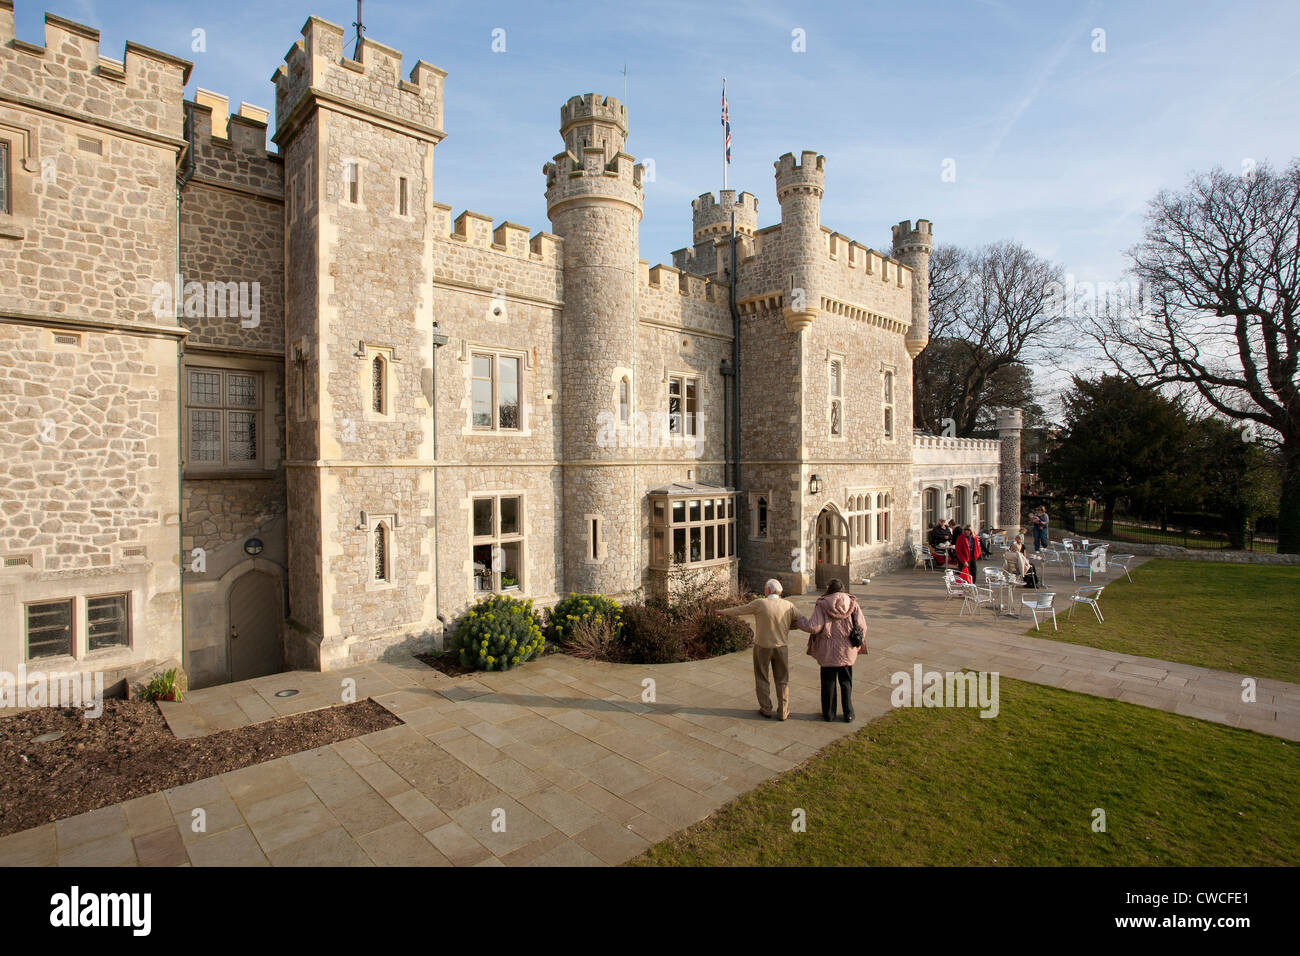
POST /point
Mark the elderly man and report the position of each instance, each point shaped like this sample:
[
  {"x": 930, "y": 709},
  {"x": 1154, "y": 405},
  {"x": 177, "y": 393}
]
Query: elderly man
[{"x": 774, "y": 618}]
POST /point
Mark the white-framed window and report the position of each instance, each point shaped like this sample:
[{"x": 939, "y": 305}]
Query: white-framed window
[
  {"x": 352, "y": 181},
  {"x": 961, "y": 505},
  {"x": 692, "y": 529},
  {"x": 683, "y": 404},
  {"x": 888, "y": 390},
  {"x": 497, "y": 542},
  {"x": 883, "y": 512},
  {"x": 383, "y": 551},
  {"x": 985, "y": 507},
  {"x": 223, "y": 430},
  {"x": 496, "y": 389},
  {"x": 759, "y": 517},
  {"x": 836, "y": 395}
]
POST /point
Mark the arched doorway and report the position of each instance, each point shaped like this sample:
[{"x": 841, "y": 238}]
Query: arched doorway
[
  {"x": 253, "y": 643},
  {"x": 832, "y": 548}
]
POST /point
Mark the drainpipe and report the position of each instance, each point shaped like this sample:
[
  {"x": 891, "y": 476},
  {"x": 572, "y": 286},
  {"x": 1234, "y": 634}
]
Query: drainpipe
[
  {"x": 439, "y": 340},
  {"x": 735, "y": 360},
  {"x": 182, "y": 178}
]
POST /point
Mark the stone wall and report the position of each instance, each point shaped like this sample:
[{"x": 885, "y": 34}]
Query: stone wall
[{"x": 89, "y": 486}]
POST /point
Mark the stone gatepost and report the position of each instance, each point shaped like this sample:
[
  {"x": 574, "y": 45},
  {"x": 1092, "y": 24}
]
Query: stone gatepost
[{"x": 1010, "y": 422}]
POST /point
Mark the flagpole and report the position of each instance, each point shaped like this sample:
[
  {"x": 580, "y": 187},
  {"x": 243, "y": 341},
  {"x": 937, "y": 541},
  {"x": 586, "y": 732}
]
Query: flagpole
[{"x": 726, "y": 111}]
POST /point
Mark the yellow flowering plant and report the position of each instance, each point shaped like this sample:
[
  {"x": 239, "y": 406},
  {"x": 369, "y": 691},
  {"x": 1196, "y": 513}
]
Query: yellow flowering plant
[{"x": 498, "y": 633}]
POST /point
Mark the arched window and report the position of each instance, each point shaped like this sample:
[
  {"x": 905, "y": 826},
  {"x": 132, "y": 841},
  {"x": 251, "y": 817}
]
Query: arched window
[
  {"x": 960, "y": 511},
  {"x": 624, "y": 399},
  {"x": 760, "y": 517},
  {"x": 378, "y": 398},
  {"x": 930, "y": 508},
  {"x": 381, "y": 552},
  {"x": 882, "y": 516}
]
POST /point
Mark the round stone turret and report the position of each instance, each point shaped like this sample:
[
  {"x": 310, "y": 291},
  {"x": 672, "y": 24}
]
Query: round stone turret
[
  {"x": 712, "y": 221},
  {"x": 593, "y": 199},
  {"x": 1010, "y": 422},
  {"x": 912, "y": 248},
  {"x": 594, "y": 120},
  {"x": 799, "y": 189}
]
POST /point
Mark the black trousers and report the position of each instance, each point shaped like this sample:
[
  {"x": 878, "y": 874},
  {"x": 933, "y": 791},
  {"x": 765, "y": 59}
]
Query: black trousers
[{"x": 831, "y": 677}]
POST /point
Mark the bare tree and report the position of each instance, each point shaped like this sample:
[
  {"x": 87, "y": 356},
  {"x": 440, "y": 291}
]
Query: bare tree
[
  {"x": 1219, "y": 264},
  {"x": 990, "y": 308}
]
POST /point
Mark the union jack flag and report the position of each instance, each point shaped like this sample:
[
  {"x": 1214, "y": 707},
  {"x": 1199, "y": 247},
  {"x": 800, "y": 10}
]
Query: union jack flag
[{"x": 726, "y": 120}]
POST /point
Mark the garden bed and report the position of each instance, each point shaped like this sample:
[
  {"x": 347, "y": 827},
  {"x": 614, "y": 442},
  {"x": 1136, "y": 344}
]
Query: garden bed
[{"x": 129, "y": 752}]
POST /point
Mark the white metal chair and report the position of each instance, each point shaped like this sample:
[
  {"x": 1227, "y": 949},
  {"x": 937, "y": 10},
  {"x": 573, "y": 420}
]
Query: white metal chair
[
  {"x": 952, "y": 585},
  {"x": 924, "y": 558},
  {"x": 1122, "y": 562},
  {"x": 1000, "y": 541},
  {"x": 975, "y": 597},
  {"x": 1089, "y": 595},
  {"x": 1041, "y": 603},
  {"x": 1080, "y": 561}
]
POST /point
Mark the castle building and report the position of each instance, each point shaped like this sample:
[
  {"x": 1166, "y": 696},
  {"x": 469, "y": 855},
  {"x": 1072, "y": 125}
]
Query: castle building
[{"x": 279, "y": 408}]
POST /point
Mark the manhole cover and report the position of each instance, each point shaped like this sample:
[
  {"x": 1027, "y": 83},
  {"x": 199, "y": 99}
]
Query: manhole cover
[
  {"x": 52, "y": 735},
  {"x": 285, "y": 693}
]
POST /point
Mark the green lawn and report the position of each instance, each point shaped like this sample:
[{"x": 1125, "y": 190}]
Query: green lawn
[
  {"x": 947, "y": 787},
  {"x": 1243, "y": 618}
]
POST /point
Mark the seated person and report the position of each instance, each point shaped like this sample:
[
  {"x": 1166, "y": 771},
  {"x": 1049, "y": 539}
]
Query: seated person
[{"x": 1015, "y": 563}]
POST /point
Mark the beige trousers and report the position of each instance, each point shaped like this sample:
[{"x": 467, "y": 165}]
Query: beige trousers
[{"x": 777, "y": 658}]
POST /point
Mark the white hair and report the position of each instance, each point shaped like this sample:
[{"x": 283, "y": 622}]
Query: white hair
[{"x": 773, "y": 586}]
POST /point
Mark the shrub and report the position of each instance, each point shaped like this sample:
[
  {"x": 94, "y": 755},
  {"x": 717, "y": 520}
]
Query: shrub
[
  {"x": 497, "y": 633},
  {"x": 595, "y": 638},
  {"x": 580, "y": 607},
  {"x": 713, "y": 635},
  {"x": 650, "y": 636}
]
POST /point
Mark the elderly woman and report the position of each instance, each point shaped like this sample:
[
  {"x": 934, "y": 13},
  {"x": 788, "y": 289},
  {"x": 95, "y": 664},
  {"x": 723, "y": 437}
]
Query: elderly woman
[
  {"x": 830, "y": 625},
  {"x": 1016, "y": 563}
]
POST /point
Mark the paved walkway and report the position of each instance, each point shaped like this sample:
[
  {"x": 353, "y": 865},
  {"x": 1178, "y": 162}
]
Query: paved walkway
[{"x": 561, "y": 762}]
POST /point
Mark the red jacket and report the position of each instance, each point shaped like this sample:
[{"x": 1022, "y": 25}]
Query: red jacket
[{"x": 967, "y": 549}]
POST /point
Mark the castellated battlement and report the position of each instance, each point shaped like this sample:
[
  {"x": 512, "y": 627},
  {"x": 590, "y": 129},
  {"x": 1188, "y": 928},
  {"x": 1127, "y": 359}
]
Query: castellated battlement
[
  {"x": 594, "y": 120},
  {"x": 806, "y": 175},
  {"x": 230, "y": 149},
  {"x": 142, "y": 91},
  {"x": 907, "y": 239},
  {"x": 711, "y": 217},
  {"x": 664, "y": 278},
  {"x": 319, "y": 64},
  {"x": 474, "y": 230},
  {"x": 855, "y": 257}
]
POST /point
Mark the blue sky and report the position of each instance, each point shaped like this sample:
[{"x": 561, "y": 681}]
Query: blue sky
[{"x": 1055, "y": 145}]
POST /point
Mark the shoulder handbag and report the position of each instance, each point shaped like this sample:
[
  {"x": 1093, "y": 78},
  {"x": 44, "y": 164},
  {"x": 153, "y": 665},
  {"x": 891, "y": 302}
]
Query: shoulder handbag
[{"x": 856, "y": 636}]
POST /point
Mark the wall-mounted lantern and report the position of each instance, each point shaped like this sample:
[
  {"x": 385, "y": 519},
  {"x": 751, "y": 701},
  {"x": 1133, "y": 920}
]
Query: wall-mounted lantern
[
  {"x": 815, "y": 485},
  {"x": 947, "y": 501}
]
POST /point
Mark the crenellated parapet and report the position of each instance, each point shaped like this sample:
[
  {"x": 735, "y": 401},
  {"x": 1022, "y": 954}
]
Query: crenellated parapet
[
  {"x": 142, "y": 91},
  {"x": 806, "y": 175},
  {"x": 593, "y": 166},
  {"x": 230, "y": 148},
  {"x": 318, "y": 67},
  {"x": 473, "y": 230}
]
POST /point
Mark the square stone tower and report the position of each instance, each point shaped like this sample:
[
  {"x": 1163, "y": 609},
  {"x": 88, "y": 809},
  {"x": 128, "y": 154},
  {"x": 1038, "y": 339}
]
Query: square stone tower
[{"x": 358, "y": 144}]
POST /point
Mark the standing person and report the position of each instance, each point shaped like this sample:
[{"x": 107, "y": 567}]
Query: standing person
[
  {"x": 968, "y": 552},
  {"x": 774, "y": 618},
  {"x": 831, "y": 625},
  {"x": 1039, "y": 520}
]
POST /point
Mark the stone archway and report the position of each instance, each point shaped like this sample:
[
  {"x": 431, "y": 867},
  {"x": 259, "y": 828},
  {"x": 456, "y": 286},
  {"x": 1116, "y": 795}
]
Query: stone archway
[{"x": 832, "y": 547}]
